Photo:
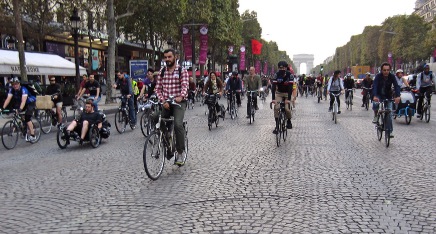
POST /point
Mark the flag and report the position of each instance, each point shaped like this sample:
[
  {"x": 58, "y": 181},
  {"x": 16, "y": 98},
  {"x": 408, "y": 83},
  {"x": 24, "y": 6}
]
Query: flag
[
  {"x": 256, "y": 47},
  {"x": 203, "y": 45}
]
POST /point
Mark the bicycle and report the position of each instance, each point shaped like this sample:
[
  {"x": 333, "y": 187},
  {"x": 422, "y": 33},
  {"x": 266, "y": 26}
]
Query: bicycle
[
  {"x": 199, "y": 97},
  {"x": 282, "y": 131},
  {"x": 349, "y": 99},
  {"x": 147, "y": 124},
  {"x": 250, "y": 105},
  {"x": 161, "y": 144},
  {"x": 211, "y": 100},
  {"x": 426, "y": 107},
  {"x": 233, "y": 108},
  {"x": 190, "y": 103},
  {"x": 335, "y": 108},
  {"x": 367, "y": 97},
  {"x": 122, "y": 115},
  {"x": 384, "y": 121},
  {"x": 325, "y": 92},
  {"x": 307, "y": 90},
  {"x": 262, "y": 95},
  {"x": 319, "y": 93},
  {"x": 49, "y": 118},
  {"x": 12, "y": 128}
]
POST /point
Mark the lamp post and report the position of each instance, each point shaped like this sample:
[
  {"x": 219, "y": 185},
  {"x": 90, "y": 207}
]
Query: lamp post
[
  {"x": 390, "y": 54},
  {"x": 75, "y": 23},
  {"x": 209, "y": 55}
]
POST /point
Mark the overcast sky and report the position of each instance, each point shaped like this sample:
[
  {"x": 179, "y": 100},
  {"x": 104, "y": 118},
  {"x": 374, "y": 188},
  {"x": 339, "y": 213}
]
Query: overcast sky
[{"x": 319, "y": 26}]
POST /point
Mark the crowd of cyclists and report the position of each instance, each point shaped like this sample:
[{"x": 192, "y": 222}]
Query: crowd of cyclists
[{"x": 174, "y": 81}]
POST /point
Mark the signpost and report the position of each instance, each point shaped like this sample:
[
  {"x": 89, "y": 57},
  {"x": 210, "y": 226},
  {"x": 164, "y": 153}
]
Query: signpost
[{"x": 138, "y": 69}]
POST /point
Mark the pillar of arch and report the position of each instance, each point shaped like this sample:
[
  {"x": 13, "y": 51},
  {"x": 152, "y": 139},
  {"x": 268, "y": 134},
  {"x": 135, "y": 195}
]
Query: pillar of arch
[{"x": 298, "y": 59}]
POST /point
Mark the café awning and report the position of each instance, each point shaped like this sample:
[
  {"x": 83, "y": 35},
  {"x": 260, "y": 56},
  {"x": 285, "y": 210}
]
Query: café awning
[{"x": 37, "y": 64}]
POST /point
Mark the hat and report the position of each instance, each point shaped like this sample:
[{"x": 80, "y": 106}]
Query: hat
[
  {"x": 15, "y": 80},
  {"x": 399, "y": 71}
]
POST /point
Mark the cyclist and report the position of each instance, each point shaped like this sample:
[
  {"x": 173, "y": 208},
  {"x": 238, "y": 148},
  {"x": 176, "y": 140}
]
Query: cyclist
[
  {"x": 401, "y": 79},
  {"x": 366, "y": 83},
  {"x": 348, "y": 84},
  {"x": 424, "y": 83},
  {"x": 282, "y": 86},
  {"x": 94, "y": 91},
  {"x": 382, "y": 89},
  {"x": 55, "y": 90},
  {"x": 252, "y": 83},
  {"x": 335, "y": 86},
  {"x": 82, "y": 86},
  {"x": 22, "y": 100},
  {"x": 214, "y": 85},
  {"x": 192, "y": 90},
  {"x": 149, "y": 84},
  {"x": 88, "y": 117},
  {"x": 174, "y": 84},
  {"x": 319, "y": 83},
  {"x": 234, "y": 84},
  {"x": 125, "y": 85}
]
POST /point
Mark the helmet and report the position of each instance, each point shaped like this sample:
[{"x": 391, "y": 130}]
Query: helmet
[
  {"x": 282, "y": 64},
  {"x": 399, "y": 71},
  {"x": 368, "y": 73},
  {"x": 234, "y": 73},
  {"x": 15, "y": 80},
  {"x": 349, "y": 75}
]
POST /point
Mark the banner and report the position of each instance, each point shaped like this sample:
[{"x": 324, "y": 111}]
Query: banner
[
  {"x": 265, "y": 68},
  {"x": 230, "y": 49},
  {"x": 256, "y": 47},
  {"x": 242, "y": 58},
  {"x": 138, "y": 68},
  {"x": 203, "y": 45},
  {"x": 390, "y": 58},
  {"x": 187, "y": 43},
  {"x": 257, "y": 67}
]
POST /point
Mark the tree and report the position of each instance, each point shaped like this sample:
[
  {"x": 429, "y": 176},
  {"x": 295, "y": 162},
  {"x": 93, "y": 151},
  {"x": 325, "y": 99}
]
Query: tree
[{"x": 19, "y": 34}]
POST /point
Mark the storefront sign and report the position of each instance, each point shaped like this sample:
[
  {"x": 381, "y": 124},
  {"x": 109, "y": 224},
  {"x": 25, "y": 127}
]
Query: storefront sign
[{"x": 29, "y": 69}]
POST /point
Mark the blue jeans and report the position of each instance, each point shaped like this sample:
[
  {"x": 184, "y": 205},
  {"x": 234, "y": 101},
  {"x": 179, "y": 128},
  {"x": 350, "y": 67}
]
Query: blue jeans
[
  {"x": 132, "y": 112},
  {"x": 95, "y": 102}
]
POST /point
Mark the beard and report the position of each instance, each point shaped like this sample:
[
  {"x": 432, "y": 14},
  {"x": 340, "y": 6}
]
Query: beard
[{"x": 170, "y": 63}]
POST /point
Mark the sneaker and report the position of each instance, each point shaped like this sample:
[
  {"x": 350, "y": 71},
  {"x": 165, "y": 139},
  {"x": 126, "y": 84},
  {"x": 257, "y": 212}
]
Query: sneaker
[
  {"x": 330, "y": 109},
  {"x": 275, "y": 131},
  {"x": 391, "y": 136},
  {"x": 256, "y": 108},
  {"x": 363, "y": 105},
  {"x": 375, "y": 120},
  {"x": 339, "y": 112},
  {"x": 179, "y": 159},
  {"x": 80, "y": 141},
  {"x": 169, "y": 155},
  {"x": 247, "y": 116},
  {"x": 31, "y": 138},
  {"x": 418, "y": 116},
  {"x": 289, "y": 124}
]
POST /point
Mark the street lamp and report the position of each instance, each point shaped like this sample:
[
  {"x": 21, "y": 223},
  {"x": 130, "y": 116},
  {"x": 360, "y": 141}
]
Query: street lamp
[
  {"x": 75, "y": 24},
  {"x": 390, "y": 55},
  {"x": 209, "y": 55}
]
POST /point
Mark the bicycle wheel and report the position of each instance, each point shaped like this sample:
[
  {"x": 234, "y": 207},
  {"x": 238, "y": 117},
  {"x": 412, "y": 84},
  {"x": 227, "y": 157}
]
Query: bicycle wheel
[
  {"x": 210, "y": 120},
  {"x": 217, "y": 119},
  {"x": 79, "y": 109},
  {"x": 408, "y": 115},
  {"x": 278, "y": 138},
  {"x": 367, "y": 103},
  {"x": 61, "y": 138},
  {"x": 94, "y": 136},
  {"x": 145, "y": 123},
  {"x": 350, "y": 102},
  {"x": 36, "y": 130},
  {"x": 153, "y": 156},
  {"x": 10, "y": 132},
  {"x": 427, "y": 114},
  {"x": 284, "y": 130},
  {"x": 46, "y": 118},
  {"x": 185, "y": 126},
  {"x": 335, "y": 112},
  {"x": 120, "y": 122}
]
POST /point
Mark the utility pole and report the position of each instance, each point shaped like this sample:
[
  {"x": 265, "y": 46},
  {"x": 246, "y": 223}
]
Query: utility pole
[{"x": 20, "y": 40}]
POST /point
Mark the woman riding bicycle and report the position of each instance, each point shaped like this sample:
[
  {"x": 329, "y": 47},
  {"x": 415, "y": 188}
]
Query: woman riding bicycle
[
  {"x": 214, "y": 86},
  {"x": 335, "y": 86}
]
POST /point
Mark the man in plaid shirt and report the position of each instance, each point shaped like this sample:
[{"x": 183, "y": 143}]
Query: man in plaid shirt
[{"x": 174, "y": 82}]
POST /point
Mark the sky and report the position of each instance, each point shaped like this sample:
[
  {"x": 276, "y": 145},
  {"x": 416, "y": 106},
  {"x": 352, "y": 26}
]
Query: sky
[{"x": 318, "y": 27}]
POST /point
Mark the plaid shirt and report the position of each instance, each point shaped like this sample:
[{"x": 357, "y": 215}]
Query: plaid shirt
[{"x": 172, "y": 85}]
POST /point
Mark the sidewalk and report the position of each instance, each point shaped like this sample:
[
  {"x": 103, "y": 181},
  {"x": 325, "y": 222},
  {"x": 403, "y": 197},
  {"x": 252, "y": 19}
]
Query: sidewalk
[{"x": 107, "y": 109}]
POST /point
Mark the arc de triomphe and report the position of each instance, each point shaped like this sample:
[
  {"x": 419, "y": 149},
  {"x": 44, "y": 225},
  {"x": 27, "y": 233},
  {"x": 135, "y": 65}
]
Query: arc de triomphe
[{"x": 303, "y": 58}]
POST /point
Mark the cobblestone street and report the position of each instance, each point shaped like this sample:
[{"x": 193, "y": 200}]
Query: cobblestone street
[{"x": 326, "y": 178}]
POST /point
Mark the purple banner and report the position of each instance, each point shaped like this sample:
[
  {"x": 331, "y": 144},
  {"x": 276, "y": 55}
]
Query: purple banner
[
  {"x": 187, "y": 43},
  {"x": 54, "y": 48},
  {"x": 265, "y": 68},
  {"x": 203, "y": 44},
  {"x": 242, "y": 59},
  {"x": 257, "y": 67}
]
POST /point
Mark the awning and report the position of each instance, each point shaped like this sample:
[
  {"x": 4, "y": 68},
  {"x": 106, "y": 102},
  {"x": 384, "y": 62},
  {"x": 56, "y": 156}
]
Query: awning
[{"x": 37, "y": 64}]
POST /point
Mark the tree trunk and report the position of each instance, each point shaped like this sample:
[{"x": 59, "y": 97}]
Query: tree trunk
[
  {"x": 111, "y": 50},
  {"x": 19, "y": 34}
]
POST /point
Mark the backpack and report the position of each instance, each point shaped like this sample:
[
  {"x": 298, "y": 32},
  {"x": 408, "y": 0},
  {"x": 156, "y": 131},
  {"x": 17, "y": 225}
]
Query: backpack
[
  {"x": 163, "y": 72},
  {"x": 431, "y": 76},
  {"x": 31, "y": 88}
]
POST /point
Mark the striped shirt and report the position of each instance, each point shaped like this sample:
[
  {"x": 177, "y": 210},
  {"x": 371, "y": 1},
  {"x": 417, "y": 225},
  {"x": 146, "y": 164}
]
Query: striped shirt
[{"x": 172, "y": 85}]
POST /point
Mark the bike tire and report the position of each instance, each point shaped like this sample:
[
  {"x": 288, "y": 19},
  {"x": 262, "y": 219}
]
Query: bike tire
[
  {"x": 10, "y": 132},
  {"x": 62, "y": 143},
  {"x": 427, "y": 114},
  {"x": 278, "y": 138},
  {"x": 284, "y": 130},
  {"x": 94, "y": 136},
  {"x": 120, "y": 122},
  {"x": 64, "y": 115},
  {"x": 367, "y": 103},
  {"x": 408, "y": 115},
  {"x": 46, "y": 121},
  {"x": 388, "y": 130},
  {"x": 217, "y": 120},
  {"x": 153, "y": 156},
  {"x": 210, "y": 120},
  {"x": 145, "y": 122},
  {"x": 350, "y": 103}
]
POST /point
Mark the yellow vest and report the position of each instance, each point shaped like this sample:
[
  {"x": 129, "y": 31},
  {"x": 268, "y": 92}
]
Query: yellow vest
[{"x": 135, "y": 87}]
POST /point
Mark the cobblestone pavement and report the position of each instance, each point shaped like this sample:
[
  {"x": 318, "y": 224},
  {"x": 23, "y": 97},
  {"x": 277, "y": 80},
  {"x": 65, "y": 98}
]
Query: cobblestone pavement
[{"x": 326, "y": 178}]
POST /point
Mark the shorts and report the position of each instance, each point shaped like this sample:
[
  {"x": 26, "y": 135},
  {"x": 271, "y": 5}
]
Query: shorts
[{"x": 58, "y": 104}]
